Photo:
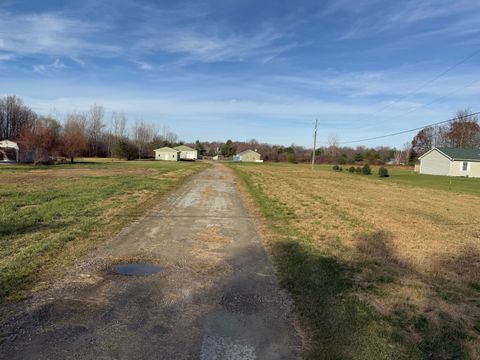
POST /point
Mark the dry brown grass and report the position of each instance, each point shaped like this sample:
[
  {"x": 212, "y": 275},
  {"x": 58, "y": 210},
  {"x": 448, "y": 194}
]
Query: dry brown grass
[{"x": 416, "y": 251}]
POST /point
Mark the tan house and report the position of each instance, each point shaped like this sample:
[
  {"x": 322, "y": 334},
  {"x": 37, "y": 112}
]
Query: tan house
[
  {"x": 167, "y": 154},
  {"x": 186, "y": 153},
  {"x": 450, "y": 162},
  {"x": 248, "y": 156}
]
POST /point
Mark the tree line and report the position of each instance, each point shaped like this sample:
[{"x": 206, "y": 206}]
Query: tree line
[
  {"x": 87, "y": 133},
  {"x": 462, "y": 132},
  {"x": 333, "y": 153},
  {"x": 93, "y": 134}
]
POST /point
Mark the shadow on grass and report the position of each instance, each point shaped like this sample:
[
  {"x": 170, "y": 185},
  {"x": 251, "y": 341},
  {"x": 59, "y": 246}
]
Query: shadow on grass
[
  {"x": 433, "y": 330},
  {"x": 346, "y": 302},
  {"x": 10, "y": 229},
  {"x": 343, "y": 324},
  {"x": 340, "y": 325}
]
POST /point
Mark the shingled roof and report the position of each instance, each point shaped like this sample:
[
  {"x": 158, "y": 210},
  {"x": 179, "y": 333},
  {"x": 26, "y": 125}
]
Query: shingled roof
[
  {"x": 183, "y": 148},
  {"x": 460, "y": 154}
]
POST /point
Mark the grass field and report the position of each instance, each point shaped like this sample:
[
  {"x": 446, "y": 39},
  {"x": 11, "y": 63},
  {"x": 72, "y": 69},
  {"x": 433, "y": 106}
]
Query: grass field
[
  {"x": 378, "y": 268},
  {"x": 51, "y": 215},
  {"x": 406, "y": 176}
]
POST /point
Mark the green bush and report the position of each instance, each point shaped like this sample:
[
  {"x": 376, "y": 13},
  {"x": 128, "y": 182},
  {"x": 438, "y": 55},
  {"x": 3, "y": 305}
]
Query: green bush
[
  {"x": 383, "y": 172},
  {"x": 340, "y": 168},
  {"x": 366, "y": 170},
  {"x": 358, "y": 170},
  {"x": 351, "y": 169},
  {"x": 335, "y": 167}
]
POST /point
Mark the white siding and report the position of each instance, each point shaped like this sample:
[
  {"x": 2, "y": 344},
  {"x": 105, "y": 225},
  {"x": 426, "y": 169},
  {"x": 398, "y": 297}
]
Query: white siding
[
  {"x": 168, "y": 156},
  {"x": 473, "y": 169},
  {"x": 188, "y": 155},
  {"x": 435, "y": 163}
]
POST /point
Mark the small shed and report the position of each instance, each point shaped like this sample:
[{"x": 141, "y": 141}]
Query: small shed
[
  {"x": 450, "y": 162},
  {"x": 248, "y": 156},
  {"x": 166, "y": 153},
  {"x": 186, "y": 153},
  {"x": 11, "y": 151}
]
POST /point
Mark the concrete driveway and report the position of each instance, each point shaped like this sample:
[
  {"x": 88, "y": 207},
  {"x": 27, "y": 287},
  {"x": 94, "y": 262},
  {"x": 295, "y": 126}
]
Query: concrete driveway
[{"x": 216, "y": 298}]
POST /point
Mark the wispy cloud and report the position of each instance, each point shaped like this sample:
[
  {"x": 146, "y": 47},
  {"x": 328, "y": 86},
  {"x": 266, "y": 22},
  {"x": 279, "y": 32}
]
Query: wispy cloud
[
  {"x": 50, "y": 34},
  {"x": 210, "y": 45},
  {"x": 418, "y": 16},
  {"x": 57, "y": 64}
]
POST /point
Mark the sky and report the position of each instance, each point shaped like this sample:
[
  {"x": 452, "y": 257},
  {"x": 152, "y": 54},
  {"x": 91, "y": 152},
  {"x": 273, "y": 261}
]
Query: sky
[{"x": 238, "y": 69}]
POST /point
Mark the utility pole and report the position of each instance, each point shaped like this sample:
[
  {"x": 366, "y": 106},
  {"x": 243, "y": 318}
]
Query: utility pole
[{"x": 314, "y": 142}]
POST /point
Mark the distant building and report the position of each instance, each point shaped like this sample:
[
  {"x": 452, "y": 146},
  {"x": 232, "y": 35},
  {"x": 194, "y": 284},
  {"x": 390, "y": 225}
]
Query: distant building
[
  {"x": 186, "y": 153},
  {"x": 167, "y": 154},
  {"x": 450, "y": 162},
  {"x": 248, "y": 156},
  {"x": 11, "y": 152}
]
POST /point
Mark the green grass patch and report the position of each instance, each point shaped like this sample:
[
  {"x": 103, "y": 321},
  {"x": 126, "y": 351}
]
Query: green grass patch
[
  {"x": 51, "y": 215},
  {"x": 411, "y": 178}
]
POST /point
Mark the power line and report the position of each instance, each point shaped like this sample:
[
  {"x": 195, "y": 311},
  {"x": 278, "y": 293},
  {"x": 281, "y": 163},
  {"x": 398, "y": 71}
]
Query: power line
[
  {"x": 428, "y": 82},
  {"x": 438, "y": 99},
  {"x": 406, "y": 131},
  {"x": 434, "y": 100}
]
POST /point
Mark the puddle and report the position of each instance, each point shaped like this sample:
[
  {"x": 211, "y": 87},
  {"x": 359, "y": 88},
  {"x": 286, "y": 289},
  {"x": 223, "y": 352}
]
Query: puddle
[{"x": 137, "y": 269}]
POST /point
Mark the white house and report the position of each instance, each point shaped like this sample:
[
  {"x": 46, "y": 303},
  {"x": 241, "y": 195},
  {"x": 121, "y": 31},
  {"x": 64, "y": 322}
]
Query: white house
[
  {"x": 450, "y": 162},
  {"x": 167, "y": 154},
  {"x": 13, "y": 152},
  {"x": 186, "y": 153}
]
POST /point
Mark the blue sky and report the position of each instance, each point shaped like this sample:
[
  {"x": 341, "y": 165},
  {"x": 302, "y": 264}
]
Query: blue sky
[{"x": 239, "y": 69}]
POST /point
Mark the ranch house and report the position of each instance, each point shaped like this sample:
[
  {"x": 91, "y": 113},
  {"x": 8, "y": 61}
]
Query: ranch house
[
  {"x": 167, "y": 154},
  {"x": 450, "y": 162},
  {"x": 186, "y": 153},
  {"x": 248, "y": 156}
]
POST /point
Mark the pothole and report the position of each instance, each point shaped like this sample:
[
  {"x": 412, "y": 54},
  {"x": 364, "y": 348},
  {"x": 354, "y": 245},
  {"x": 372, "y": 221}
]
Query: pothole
[{"x": 137, "y": 269}]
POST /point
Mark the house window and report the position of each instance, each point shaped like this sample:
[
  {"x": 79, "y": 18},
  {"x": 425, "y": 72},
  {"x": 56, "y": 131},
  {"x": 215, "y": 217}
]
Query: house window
[{"x": 465, "y": 166}]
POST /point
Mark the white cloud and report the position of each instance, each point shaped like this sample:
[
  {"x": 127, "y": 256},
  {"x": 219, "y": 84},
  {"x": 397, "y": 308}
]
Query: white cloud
[
  {"x": 50, "y": 34},
  {"x": 458, "y": 17},
  {"x": 145, "y": 66},
  {"x": 211, "y": 45},
  {"x": 57, "y": 64}
]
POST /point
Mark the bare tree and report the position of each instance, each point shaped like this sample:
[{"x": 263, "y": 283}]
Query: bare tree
[
  {"x": 333, "y": 143},
  {"x": 406, "y": 152},
  {"x": 119, "y": 124},
  {"x": 464, "y": 131},
  {"x": 168, "y": 136},
  {"x": 95, "y": 127},
  {"x": 143, "y": 134},
  {"x": 75, "y": 140},
  {"x": 398, "y": 157},
  {"x": 117, "y": 132},
  {"x": 14, "y": 117}
]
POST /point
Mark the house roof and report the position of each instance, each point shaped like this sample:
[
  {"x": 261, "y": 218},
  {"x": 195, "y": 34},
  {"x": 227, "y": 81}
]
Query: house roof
[
  {"x": 460, "y": 153},
  {"x": 166, "y": 149},
  {"x": 183, "y": 148},
  {"x": 247, "y": 151},
  {"x": 8, "y": 144}
]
